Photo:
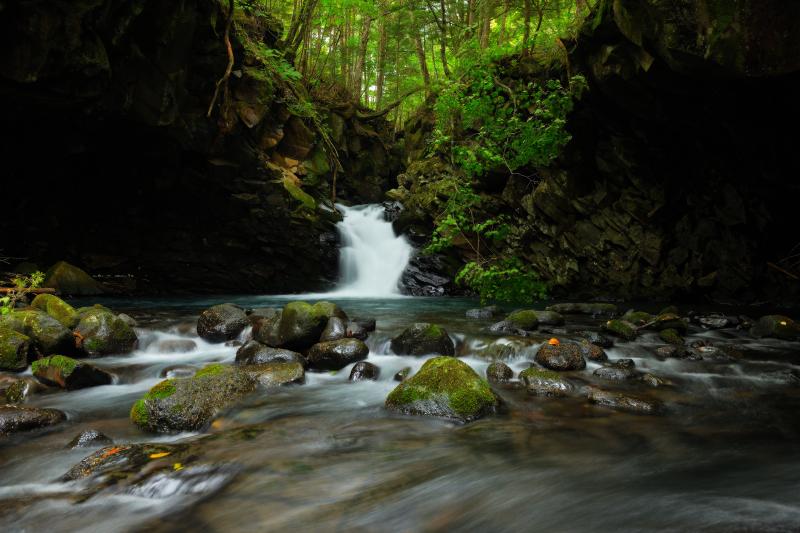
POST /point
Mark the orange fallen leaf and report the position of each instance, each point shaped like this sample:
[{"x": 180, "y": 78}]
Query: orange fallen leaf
[
  {"x": 553, "y": 342},
  {"x": 159, "y": 455},
  {"x": 111, "y": 452}
]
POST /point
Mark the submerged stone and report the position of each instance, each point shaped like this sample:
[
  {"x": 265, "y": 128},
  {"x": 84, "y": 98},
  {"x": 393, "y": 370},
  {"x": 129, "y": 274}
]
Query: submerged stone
[
  {"x": 623, "y": 402},
  {"x": 14, "y": 419},
  {"x": 423, "y": 338},
  {"x": 176, "y": 346},
  {"x": 499, "y": 372},
  {"x": 542, "y": 382},
  {"x": 444, "y": 387}
]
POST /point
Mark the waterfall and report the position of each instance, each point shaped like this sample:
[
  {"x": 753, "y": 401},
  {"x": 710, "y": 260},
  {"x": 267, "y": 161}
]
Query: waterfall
[{"x": 372, "y": 258}]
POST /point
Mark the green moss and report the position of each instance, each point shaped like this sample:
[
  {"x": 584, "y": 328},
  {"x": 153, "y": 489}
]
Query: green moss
[
  {"x": 524, "y": 319},
  {"x": 305, "y": 199},
  {"x": 327, "y": 310},
  {"x": 56, "y": 308},
  {"x": 139, "y": 414},
  {"x": 540, "y": 373},
  {"x": 65, "y": 365},
  {"x": 637, "y": 317},
  {"x": 621, "y": 328},
  {"x": 213, "y": 369},
  {"x": 433, "y": 332},
  {"x": 671, "y": 336},
  {"x": 161, "y": 390},
  {"x": 13, "y": 349}
]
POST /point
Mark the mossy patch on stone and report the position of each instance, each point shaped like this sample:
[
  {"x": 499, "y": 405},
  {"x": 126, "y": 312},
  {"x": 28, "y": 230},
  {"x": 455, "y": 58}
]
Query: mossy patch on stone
[
  {"x": 14, "y": 348},
  {"x": 56, "y": 308},
  {"x": 671, "y": 336},
  {"x": 66, "y": 365},
  {"x": 213, "y": 369},
  {"x": 305, "y": 199},
  {"x": 524, "y": 319},
  {"x": 621, "y": 328}
]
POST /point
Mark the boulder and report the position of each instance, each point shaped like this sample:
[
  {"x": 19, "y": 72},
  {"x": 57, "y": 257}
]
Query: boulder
[
  {"x": 14, "y": 418},
  {"x": 176, "y": 346},
  {"x": 590, "y": 308},
  {"x": 444, "y": 387},
  {"x": 529, "y": 316},
  {"x": 623, "y": 402},
  {"x": 275, "y": 374},
  {"x": 14, "y": 348},
  {"x": 597, "y": 339},
  {"x": 23, "y": 388},
  {"x": 423, "y": 338},
  {"x": 47, "y": 335},
  {"x": 335, "y": 329},
  {"x": 778, "y": 326},
  {"x": 367, "y": 324},
  {"x": 499, "y": 372},
  {"x": 221, "y": 323},
  {"x": 364, "y": 371},
  {"x": 299, "y": 326},
  {"x": 128, "y": 319},
  {"x": 619, "y": 370},
  {"x": 524, "y": 319},
  {"x": 638, "y": 318},
  {"x": 188, "y": 404},
  {"x": 56, "y": 308},
  {"x": 355, "y": 330},
  {"x": 543, "y": 382},
  {"x": 591, "y": 351},
  {"x": 714, "y": 321},
  {"x": 89, "y": 439},
  {"x": 621, "y": 328},
  {"x": 562, "y": 357},
  {"x": 255, "y": 353},
  {"x": 101, "y": 332},
  {"x": 68, "y": 373},
  {"x": 334, "y": 355},
  {"x": 669, "y": 321},
  {"x": 671, "y": 336},
  {"x": 69, "y": 279}
]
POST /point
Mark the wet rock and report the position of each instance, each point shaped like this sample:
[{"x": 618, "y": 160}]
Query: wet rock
[
  {"x": 263, "y": 312},
  {"x": 299, "y": 325},
  {"x": 23, "y": 388},
  {"x": 364, "y": 371},
  {"x": 69, "y": 279},
  {"x": 14, "y": 348},
  {"x": 669, "y": 321},
  {"x": 499, "y": 372},
  {"x": 499, "y": 351},
  {"x": 128, "y": 320},
  {"x": 335, "y": 329},
  {"x": 236, "y": 343},
  {"x": 68, "y": 373},
  {"x": 56, "y": 308},
  {"x": 89, "y": 439},
  {"x": 221, "y": 323},
  {"x": 671, "y": 336},
  {"x": 543, "y": 382},
  {"x": 334, "y": 355},
  {"x": 623, "y": 402},
  {"x": 591, "y": 351},
  {"x": 597, "y": 339},
  {"x": 188, "y": 404},
  {"x": 178, "y": 371},
  {"x": 590, "y": 308},
  {"x": 504, "y": 327},
  {"x": 101, "y": 332},
  {"x": 621, "y": 328},
  {"x": 423, "y": 338},
  {"x": 277, "y": 373},
  {"x": 702, "y": 349},
  {"x": 356, "y": 331},
  {"x": 254, "y": 353},
  {"x": 669, "y": 310},
  {"x": 402, "y": 374},
  {"x": 176, "y": 346},
  {"x": 562, "y": 357},
  {"x": 638, "y": 318},
  {"x": 524, "y": 319},
  {"x": 47, "y": 335},
  {"x": 124, "y": 460},
  {"x": 778, "y": 326},
  {"x": 14, "y": 419},
  {"x": 444, "y": 387},
  {"x": 713, "y": 321},
  {"x": 619, "y": 370},
  {"x": 425, "y": 276},
  {"x": 654, "y": 381},
  {"x": 368, "y": 324},
  {"x": 490, "y": 311}
]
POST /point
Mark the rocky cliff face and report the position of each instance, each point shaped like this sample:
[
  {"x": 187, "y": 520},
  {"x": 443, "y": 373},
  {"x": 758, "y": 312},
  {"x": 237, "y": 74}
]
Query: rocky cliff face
[
  {"x": 110, "y": 161},
  {"x": 681, "y": 177}
]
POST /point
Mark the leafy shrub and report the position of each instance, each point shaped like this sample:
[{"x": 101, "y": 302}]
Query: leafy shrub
[{"x": 22, "y": 286}]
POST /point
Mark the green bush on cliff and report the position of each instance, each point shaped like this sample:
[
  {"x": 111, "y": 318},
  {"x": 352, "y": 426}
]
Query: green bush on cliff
[{"x": 22, "y": 286}]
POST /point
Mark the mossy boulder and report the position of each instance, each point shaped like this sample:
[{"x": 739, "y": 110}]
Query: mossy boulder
[
  {"x": 499, "y": 372},
  {"x": 255, "y": 353},
  {"x": 585, "y": 308},
  {"x": 525, "y": 319},
  {"x": 423, "y": 338},
  {"x": 334, "y": 355},
  {"x": 14, "y": 419},
  {"x": 188, "y": 404},
  {"x": 778, "y": 326},
  {"x": 670, "y": 321},
  {"x": 562, "y": 357},
  {"x": 542, "y": 382},
  {"x": 56, "y": 308},
  {"x": 47, "y": 335},
  {"x": 671, "y": 336},
  {"x": 101, "y": 332},
  {"x": 69, "y": 279},
  {"x": 14, "y": 348},
  {"x": 24, "y": 388},
  {"x": 638, "y": 318},
  {"x": 444, "y": 387},
  {"x": 275, "y": 374},
  {"x": 221, "y": 322},
  {"x": 299, "y": 325},
  {"x": 621, "y": 328},
  {"x": 68, "y": 373}
]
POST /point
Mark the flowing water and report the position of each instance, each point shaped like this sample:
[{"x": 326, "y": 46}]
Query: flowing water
[{"x": 326, "y": 455}]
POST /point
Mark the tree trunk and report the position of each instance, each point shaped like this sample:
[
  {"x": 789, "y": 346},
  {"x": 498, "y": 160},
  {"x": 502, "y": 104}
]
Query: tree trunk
[
  {"x": 361, "y": 58},
  {"x": 420, "y": 49},
  {"x": 381, "y": 66}
]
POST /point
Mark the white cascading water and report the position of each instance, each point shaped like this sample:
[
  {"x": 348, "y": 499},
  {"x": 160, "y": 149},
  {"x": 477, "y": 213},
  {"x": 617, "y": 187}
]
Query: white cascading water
[{"x": 372, "y": 258}]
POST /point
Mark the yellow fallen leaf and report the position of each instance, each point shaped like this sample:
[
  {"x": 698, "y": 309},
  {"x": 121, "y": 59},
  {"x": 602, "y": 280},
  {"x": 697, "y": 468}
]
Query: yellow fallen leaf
[
  {"x": 177, "y": 466},
  {"x": 159, "y": 455},
  {"x": 783, "y": 322}
]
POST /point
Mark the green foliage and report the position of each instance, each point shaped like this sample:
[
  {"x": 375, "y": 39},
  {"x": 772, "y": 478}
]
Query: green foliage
[
  {"x": 22, "y": 286},
  {"x": 506, "y": 279}
]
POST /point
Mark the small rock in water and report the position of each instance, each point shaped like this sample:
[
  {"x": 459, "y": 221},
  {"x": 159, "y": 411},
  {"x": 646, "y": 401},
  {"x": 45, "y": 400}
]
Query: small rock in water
[
  {"x": 623, "y": 402},
  {"x": 671, "y": 336},
  {"x": 499, "y": 372},
  {"x": 596, "y": 338},
  {"x": 356, "y": 331},
  {"x": 504, "y": 327},
  {"x": 176, "y": 346},
  {"x": 254, "y": 353},
  {"x": 619, "y": 370},
  {"x": 484, "y": 312},
  {"x": 90, "y": 437},
  {"x": 621, "y": 328},
  {"x": 364, "y": 371},
  {"x": 402, "y": 374},
  {"x": 563, "y": 356},
  {"x": 222, "y": 322},
  {"x": 778, "y": 326},
  {"x": 69, "y": 373},
  {"x": 423, "y": 338},
  {"x": 334, "y": 330},
  {"x": 23, "y": 388},
  {"x": 335, "y": 355},
  {"x": 14, "y": 419},
  {"x": 713, "y": 321},
  {"x": 543, "y": 382},
  {"x": 277, "y": 374},
  {"x": 592, "y": 352},
  {"x": 368, "y": 324},
  {"x": 654, "y": 381}
]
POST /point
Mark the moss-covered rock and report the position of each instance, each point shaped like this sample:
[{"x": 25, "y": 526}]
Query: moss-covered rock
[
  {"x": 47, "y": 335},
  {"x": 299, "y": 325},
  {"x": 524, "y": 319},
  {"x": 56, "y": 308},
  {"x": 334, "y": 355},
  {"x": 621, "y": 328},
  {"x": 778, "y": 326},
  {"x": 68, "y": 373},
  {"x": 101, "y": 332},
  {"x": 444, "y": 387},
  {"x": 221, "y": 322},
  {"x": 638, "y": 318},
  {"x": 14, "y": 348},
  {"x": 423, "y": 338},
  {"x": 671, "y": 336},
  {"x": 670, "y": 321},
  {"x": 542, "y": 382},
  {"x": 23, "y": 388},
  {"x": 562, "y": 357},
  {"x": 69, "y": 279},
  {"x": 590, "y": 308},
  {"x": 188, "y": 404},
  {"x": 275, "y": 374},
  {"x": 14, "y": 419}
]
